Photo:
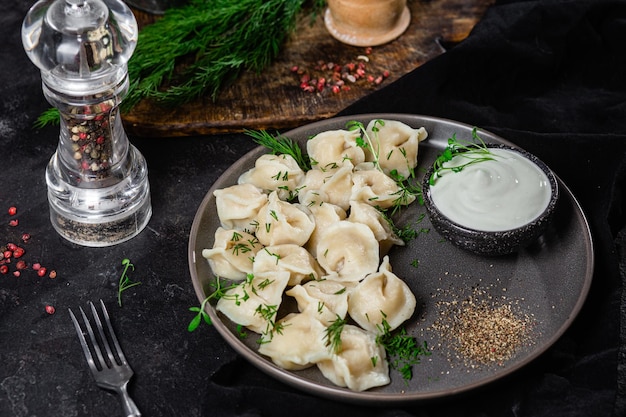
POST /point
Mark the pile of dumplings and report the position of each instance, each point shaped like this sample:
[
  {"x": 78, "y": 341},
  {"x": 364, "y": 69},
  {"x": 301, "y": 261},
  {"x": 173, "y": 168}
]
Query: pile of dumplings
[{"x": 319, "y": 237}]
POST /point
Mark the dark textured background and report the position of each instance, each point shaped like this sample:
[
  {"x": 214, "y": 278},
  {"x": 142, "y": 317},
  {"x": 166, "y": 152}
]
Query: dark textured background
[{"x": 548, "y": 75}]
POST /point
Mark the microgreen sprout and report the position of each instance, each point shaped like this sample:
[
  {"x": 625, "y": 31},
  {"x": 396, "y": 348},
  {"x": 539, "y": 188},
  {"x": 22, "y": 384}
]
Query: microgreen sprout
[
  {"x": 125, "y": 282},
  {"x": 201, "y": 315},
  {"x": 365, "y": 141},
  {"x": 475, "y": 151}
]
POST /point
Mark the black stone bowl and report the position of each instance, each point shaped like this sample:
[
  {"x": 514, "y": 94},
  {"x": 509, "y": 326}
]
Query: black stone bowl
[{"x": 489, "y": 243}]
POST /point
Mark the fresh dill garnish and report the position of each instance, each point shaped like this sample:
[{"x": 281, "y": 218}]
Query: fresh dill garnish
[
  {"x": 402, "y": 349},
  {"x": 332, "y": 334},
  {"x": 475, "y": 151},
  {"x": 281, "y": 145},
  {"x": 198, "y": 48},
  {"x": 125, "y": 282},
  {"x": 50, "y": 116}
]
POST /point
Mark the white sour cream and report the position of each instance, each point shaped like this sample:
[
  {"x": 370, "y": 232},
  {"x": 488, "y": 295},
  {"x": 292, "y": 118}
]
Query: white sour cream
[{"x": 496, "y": 195}]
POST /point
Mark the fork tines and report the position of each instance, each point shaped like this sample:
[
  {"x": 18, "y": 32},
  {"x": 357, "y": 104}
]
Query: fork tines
[
  {"x": 102, "y": 362},
  {"x": 108, "y": 365}
]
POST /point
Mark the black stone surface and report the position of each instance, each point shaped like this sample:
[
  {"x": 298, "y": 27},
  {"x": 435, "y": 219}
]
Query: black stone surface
[{"x": 548, "y": 75}]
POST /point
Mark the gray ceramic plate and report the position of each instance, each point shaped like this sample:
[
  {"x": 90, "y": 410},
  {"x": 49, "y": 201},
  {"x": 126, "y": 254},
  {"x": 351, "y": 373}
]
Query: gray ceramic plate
[{"x": 548, "y": 281}]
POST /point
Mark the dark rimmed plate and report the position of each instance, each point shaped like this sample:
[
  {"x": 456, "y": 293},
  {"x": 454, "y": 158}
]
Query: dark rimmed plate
[{"x": 547, "y": 282}]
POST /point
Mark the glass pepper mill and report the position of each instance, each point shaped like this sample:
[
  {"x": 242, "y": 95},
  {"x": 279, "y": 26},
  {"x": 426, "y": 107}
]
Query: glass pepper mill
[{"x": 97, "y": 180}]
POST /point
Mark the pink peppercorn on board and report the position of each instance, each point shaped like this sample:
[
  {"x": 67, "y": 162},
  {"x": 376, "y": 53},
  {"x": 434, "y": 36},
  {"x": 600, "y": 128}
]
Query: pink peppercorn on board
[{"x": 291, "y": 92}]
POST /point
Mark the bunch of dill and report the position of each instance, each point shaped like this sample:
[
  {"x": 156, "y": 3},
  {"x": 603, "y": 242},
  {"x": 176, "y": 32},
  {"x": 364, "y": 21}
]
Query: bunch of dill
[{"x": 195, "y": 50}]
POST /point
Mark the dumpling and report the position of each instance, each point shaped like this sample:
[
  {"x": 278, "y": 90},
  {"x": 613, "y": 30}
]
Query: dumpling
[
  {"x": 379, "y": 296},
  {"x": 348, "y": 251},
  {"x": 398, "y": 145},
  {"x": 294, "y": 259},
  {"x": 279, "y": 173},
  {"x": 360, "y": 362},
  {"x": 324, "y": 215},
  {"x": 299, "y": 344},
  {"x": 325, "y": 300},
  {"x": 373, "y": 187},
  {"x": 372, "y": 218},
  {"x": 232, "y": 254},
  {"x": 333, "y": 148},
  {"x": 333, "y": 186},
  {"x": 254, "y": 302},
  {"x": 279, "y": 222},
  {"x": 238, "y": 206}
]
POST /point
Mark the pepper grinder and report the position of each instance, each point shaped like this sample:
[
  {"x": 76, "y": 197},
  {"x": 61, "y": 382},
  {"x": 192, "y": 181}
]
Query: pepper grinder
[{"x": 98, "y": 189}]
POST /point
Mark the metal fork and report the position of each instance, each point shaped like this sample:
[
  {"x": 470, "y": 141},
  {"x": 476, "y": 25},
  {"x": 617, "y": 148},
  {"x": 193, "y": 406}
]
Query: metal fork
[{"x": 112, "y": 374}]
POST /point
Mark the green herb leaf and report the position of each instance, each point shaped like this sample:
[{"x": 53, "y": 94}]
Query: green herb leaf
[
  {"x": 475, "y": 151},
  {"x": 332, "y": 334},
  {"x": 281, "y": 145},
  {"x": 403, "y": 350},
  {"x": 51, "y": 116},
  {"x": 124, "y": 281},
  {"x": 197, "y": 49}
]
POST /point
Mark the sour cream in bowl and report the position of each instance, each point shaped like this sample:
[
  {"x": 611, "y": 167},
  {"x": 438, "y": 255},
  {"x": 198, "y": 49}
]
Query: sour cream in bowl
[{"x": 494, "y": 205}]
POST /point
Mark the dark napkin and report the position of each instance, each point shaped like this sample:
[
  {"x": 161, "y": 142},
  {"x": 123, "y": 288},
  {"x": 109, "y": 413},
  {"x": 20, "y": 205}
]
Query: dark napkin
[{"x": 549, "y": 76}]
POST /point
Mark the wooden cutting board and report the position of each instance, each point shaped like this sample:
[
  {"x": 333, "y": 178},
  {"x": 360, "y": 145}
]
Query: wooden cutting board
[{"x": 274, "y": 98}]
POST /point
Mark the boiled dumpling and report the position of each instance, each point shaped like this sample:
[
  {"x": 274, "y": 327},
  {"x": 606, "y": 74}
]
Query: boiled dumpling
[
  {"x": 279, "y": 173},
  {"x": 232, "y": 254},
  {"x": 333, "y": 186},
  {"x": 325, "y": 300},
  {"x": 333, "y": 148},
  {"x": 360, "y": 362},
  {"x": 279, "y": 222},
  {"x": 254, "y": 302},
  {"x": 238, "y": 206},
  {"x": 397, "y": 145},
  {"x": 299, "y": 344},
  {"x": 381, "y": 296},
  {"x": 324, "y": 215},
  {"x": 372, "y": 218},
  {"x": 294, "y": 259},
  {"x": 376, "y": 189},
  {"x": 347, "y": 251}
]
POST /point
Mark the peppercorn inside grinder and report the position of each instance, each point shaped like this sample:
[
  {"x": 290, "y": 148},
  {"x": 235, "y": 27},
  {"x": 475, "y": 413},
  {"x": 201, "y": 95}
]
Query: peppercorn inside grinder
[{"x": 98, "y": 188}]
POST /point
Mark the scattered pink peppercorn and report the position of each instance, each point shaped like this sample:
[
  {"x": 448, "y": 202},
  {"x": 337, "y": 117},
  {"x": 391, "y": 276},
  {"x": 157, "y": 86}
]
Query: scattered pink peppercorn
[
  {"x": 36, "y": 266},
  {"x": 4, "y": 269},
  {"x": 14, "y": 223},
  {"x": 7, "y": 254},
  {"x": 53, "y": 274},
  {"x": 50, "y": 309},
  {"x": 42, "y": 271},
  {"x": 25, "y": 237},
  {"x": 18, "y": 252},
  {"x": 12, "y": 211},
  {"x": 20, "y": 265},
  {"x": 17, "y": 273},
  {"x": 11, "y": 246}
]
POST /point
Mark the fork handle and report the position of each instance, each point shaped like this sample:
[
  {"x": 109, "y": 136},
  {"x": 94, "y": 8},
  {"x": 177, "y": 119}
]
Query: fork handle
[{"x": 130, "y": 409}]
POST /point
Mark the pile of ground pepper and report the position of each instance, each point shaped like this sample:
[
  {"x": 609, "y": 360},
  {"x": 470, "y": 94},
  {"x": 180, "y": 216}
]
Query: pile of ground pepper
[{"x": 483, "y": 329}]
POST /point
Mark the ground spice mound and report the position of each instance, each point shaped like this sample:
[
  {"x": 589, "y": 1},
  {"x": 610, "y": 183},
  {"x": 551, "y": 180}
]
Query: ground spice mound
[{"x": 483, "y": 329}]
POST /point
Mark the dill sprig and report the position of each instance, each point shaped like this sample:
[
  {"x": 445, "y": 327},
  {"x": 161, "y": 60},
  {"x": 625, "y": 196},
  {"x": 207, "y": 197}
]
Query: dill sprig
[
  {"x": 281, "y": 145},
  {"x": 50, "y": 116},
  {"x": 474, "y": 151},
  {"x": 195, "y": 50},
  {"x": 332, "y": 334}
]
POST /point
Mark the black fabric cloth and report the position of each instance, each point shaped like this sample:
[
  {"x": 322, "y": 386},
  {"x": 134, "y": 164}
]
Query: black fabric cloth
[{"x": 548, "y": 75}]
